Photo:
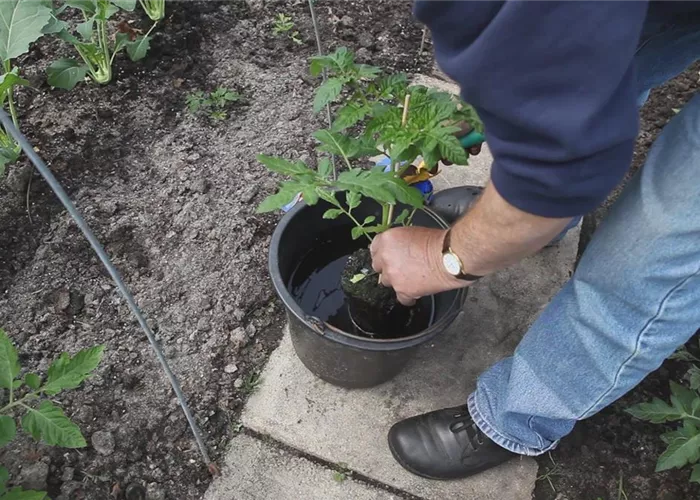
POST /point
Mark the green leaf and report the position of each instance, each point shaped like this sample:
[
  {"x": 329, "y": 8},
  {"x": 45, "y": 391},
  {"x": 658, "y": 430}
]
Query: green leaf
[
  {"x": 368, "y": 72},
  {"x": 10, "y": 80},
  {"x": 138, "y": 48},
  {"x": 695, "y": 475},
  {"x": 9, "y": 364},
  {"x": 69, "y": 372},
  {"x": 318, "y": 64},
  {"x": 85, "y": 29},
  {"x": 332, "y": 213},
  {"x": 357, "y": 232},
  {"x": 656, "y": 412},
  {"x": 341, "y": 60},
  {"x": 680, "y": 451},
  {"x": 276, "y": 201},
  {"x": 285, "y": 167},
  {"x": 128, "y": 5},
  {"x": 328, "y": 196},
  {"x": 339, "y": 144},
  {"x": 89, "y": 7},
  {"x": 402, "y": 217},
  {"x": 4, "y": 477},
  {"x": 451, "y": 149},
  {"x": 21, "y": 23},
  {"x": 682, "y": 398},
  {"x": 327, "y": 93},
  {"x": 349, "y": 115},
  {"x": 49, "y": 424},
  {"x": 368, "y": 220},
  {"x": 8, "y": 429},
  {"x": 32, "y": 380},
  {"x": 325, "y": 168},
  {"x": 19, "y": 493},
  {"x": 55, "y": 25},
  {"x": 694, "y": 377},
  {"x": 353, "y": 199},
  {"x": 120, "y": 41},
  {"x": 66, "y": 73},
  {"x": 682, "y": 355},
  {"x": 8, "y": 155}
]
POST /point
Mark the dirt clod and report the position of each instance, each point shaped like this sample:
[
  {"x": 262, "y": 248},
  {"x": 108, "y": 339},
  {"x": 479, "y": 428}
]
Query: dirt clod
[{"x": 103, "y": 442}]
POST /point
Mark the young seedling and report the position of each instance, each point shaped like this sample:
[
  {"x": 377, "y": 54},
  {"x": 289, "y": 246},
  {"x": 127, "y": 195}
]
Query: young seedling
[
  {"x": 212, "y": 104},
  {"x": 373, "y": 117},
  {"x": 342, "y": 472},
  {"x": 683, "y": 442},
  {"x": 283, "y": 25},
  {"x": 155, "y": 9},
  {"x": 96, "y": 47},
  {"x": 251, "y": 383},
  {"x": 30, "y": 395},
  {"x": 24, "y": 22}
]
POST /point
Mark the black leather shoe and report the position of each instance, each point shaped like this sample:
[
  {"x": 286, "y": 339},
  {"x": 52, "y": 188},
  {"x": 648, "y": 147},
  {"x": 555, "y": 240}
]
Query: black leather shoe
[
  {"x": 444, "y": 444},
  {"x": 452, "y": 203}
]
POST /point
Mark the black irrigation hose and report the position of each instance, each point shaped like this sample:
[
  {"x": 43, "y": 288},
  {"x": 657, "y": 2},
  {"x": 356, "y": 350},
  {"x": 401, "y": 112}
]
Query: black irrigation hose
[{"x": 97, "y": 247}]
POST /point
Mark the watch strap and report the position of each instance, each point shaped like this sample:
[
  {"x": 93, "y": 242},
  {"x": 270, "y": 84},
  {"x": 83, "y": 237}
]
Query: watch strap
[{"x": 447, "y": 248}]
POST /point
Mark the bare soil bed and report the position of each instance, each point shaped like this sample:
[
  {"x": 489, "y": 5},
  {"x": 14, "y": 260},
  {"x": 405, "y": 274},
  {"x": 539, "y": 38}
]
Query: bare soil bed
[{"x": 172, "y": 198}]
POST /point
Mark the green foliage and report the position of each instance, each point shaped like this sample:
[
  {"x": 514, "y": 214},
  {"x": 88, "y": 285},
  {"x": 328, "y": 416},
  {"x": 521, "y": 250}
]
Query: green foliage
[
  {"x": 22, "y": 22},
  {"x": 370, "y": 121},
  {"x": 683, "y": 442},
  {"x": 283, "y": 25},
  {"x": 155, "y": 9},
  {"x": 93, "y": 43},
  {"x": 41, "y": 418},
  {"x": 214, "y": 104}
]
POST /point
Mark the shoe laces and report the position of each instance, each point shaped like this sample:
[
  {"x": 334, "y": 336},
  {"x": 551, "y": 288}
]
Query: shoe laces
[{"x": 464, "y": 422}]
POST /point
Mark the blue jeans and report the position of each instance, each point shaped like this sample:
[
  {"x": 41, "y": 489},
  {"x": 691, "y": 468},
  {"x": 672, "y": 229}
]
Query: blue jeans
[{"x": 634, "y": 296}]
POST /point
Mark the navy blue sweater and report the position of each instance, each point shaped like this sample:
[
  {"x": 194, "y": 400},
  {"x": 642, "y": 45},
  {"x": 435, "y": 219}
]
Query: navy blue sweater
[{"x": 554, "y": 83}]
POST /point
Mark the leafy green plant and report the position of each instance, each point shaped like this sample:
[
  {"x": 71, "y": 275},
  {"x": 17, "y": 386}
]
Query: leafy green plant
[
  {"x": 376, "y": 114},
  {"x": 342, "y": 472},
  {"x": 684, "y": 441},
  {"x": 283, "y": 25},
  {"x": 29, "y": 396},
  {"x": 212, "y": 104},
  {"x": 23, "y": 23},
  {"x": 251, "y": 382},
  {"x": 155, "y": 9},
  {"x": 96, "y": 47}
]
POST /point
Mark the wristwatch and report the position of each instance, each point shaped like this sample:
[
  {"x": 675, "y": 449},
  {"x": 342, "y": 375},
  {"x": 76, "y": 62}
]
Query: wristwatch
[{"x": 452, "y": 262}]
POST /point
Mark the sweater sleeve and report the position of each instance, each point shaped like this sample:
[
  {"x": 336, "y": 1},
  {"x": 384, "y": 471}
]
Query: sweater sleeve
[{"x": 554, "y": 84}]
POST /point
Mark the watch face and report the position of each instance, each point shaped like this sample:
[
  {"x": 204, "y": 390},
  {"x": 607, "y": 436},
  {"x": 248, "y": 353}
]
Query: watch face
[{"x": 452, "y": 264}]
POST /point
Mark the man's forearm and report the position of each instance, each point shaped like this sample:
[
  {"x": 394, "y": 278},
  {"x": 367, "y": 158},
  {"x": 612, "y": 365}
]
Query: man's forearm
[{"x": 494, "y": 234}]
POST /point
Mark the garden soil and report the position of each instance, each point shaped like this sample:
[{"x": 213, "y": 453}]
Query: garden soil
[{"x": 172, "y": 198}]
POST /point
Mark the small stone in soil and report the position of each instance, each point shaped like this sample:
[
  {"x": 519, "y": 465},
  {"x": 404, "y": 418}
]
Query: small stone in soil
[
  {"x": 238, "y": 383},
  {"x": 230, "y": 368},
  {"x": 68, "y": 473},
  {"x": 135, "y": 492},
  {"x": 250, "y": 330},
  {"x": 33, "y": 476},
  {"x": 103, "y": 442},
  {"x": 155, "y": 492}
]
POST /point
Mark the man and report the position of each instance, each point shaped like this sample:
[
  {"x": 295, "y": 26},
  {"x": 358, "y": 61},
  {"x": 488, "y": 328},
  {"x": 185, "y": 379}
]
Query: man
[{"x": 557, "y": 85}]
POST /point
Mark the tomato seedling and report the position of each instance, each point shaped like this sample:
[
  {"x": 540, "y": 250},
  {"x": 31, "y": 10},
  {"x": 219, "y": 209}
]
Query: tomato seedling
[{"x": 377, "y": 114}]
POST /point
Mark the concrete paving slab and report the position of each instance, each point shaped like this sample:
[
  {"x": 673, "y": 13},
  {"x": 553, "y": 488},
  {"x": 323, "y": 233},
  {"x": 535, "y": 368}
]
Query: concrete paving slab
[{"x": 255, "y": 470}]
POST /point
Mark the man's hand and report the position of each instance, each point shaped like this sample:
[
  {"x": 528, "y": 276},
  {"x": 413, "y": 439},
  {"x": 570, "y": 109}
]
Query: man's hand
[{"x": 409, "y": 260}]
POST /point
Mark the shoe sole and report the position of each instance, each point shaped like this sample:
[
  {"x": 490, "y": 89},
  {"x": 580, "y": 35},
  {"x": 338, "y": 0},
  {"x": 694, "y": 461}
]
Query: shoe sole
[{"x": 434, "y": 478}]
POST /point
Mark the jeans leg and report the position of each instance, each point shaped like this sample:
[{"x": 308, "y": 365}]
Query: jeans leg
[{"x": 632, "y": 301}]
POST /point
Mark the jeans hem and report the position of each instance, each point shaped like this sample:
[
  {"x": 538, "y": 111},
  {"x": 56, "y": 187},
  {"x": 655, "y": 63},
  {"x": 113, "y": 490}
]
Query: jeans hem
[{"x": 499, "y": 438}]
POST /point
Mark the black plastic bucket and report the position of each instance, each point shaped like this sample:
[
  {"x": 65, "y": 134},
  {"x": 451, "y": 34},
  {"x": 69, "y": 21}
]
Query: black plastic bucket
[{"x": 333, "y": 355}]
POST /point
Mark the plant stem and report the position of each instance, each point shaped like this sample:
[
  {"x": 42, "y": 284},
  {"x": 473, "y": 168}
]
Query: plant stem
[
  {"x": 19, "y": 402},
  {"x": 357, "y": 223},
  {"x": 394, "y": 167},
  {"x": 7, "y": 66}
]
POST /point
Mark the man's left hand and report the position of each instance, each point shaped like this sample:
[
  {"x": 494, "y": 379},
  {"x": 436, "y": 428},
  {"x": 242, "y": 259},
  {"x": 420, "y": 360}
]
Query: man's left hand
[{"x": 409, "y": 260}]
